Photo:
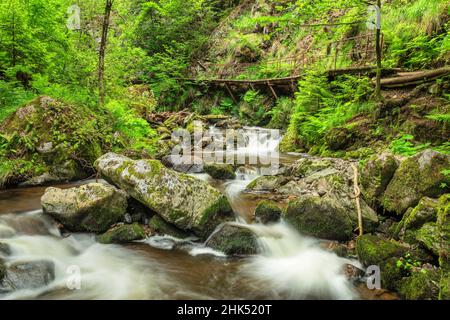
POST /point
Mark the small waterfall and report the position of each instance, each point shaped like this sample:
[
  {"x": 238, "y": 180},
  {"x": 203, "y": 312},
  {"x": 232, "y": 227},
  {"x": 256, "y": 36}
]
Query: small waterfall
[{"x": 295, "y": 267}]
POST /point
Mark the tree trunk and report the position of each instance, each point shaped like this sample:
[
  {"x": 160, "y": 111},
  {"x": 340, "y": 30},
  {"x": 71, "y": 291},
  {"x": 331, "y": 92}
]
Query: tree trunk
[
  {"x": 101, "y": 54},
  {"x": 378, "y": 53}
]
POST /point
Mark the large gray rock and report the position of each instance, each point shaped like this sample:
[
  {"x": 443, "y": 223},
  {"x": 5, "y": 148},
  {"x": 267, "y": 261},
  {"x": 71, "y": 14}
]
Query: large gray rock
[
  {"x": 375, "y": 175},
  {"x": 27, "y": 275},
  {"x": 319, "y": 217},
  {"x": 332, "y": 185},
  {"x": 233, "y": 240},
  {"x": 416, "y": 177},
  {"x": 93, "y": 207},
  {"x": 188, "y": 203}
]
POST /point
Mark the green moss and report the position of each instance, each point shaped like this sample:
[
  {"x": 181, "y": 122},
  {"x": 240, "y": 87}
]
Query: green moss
[
  {"x": 319, "y": 217},
  {"x": 427, "y": 235},
  {"x": 122, "y": 234},
  {"x": 267, "y": 211},
  {"x": 233, "y": 240},
  {"x": 373, "y": 250},
  {"x": 421, "y": 285}
]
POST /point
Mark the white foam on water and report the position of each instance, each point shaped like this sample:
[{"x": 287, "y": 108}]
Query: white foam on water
[{"x": 295, "y": 267}]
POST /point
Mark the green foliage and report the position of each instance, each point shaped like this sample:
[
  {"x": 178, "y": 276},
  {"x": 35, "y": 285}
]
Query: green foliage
[
  {"x": 136, "y": 130},
  {"x": 407, "y": 263},
  {"x": 404, "y": 146}
]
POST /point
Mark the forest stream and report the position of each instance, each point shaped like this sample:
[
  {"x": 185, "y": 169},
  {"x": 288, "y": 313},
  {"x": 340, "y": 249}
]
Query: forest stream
[{"x": 290, "y": 265}]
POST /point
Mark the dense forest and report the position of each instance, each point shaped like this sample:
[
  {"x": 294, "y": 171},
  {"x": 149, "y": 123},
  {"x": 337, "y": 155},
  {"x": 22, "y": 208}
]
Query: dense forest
[{"x": 94, "y": 89}]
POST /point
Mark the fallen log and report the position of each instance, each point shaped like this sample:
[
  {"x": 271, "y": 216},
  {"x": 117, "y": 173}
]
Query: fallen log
[{"x": 415, "y": 78}]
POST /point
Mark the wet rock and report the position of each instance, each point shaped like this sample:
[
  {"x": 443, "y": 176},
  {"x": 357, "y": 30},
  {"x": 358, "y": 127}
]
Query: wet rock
[
  {"x": 333, "y": 184},
  {"x": 122, "y": 234},
  {"x": 418, "y": 176},
  {"x": 220, "y": 171},
  {"x": 307, "y": 166},
  {"x": 373, "y": 250},
  {"x": 421, "y": 285},
  {"x": 27, "y": 275},
  {"x": 159, "y": 225},
  {"x": 5, "y": 250},
  {"x": 182, "y": 200},
  {"x": 414, "y": 218},
  {"x": 233, "y": 240},
  {"x": 428, "y": 236},
  {"x": 93, "y": 207},
  {"x": 319, "y": 217},
  {"x": 375, "y": 175},
  {"x": 443, "y": 228},
  {"x": 266, "y": 183},
  {"x": 267, "y": 212},
  {"x": 194, "y": 165}
]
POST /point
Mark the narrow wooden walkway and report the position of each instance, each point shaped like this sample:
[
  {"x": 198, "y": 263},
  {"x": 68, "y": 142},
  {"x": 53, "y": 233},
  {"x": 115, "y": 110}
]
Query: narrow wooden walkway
[{"x": 392, "y": 78}]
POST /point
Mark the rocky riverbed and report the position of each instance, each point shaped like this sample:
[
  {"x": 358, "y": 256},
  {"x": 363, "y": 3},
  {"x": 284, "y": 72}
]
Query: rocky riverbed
[{"x": 294, "y": 233}]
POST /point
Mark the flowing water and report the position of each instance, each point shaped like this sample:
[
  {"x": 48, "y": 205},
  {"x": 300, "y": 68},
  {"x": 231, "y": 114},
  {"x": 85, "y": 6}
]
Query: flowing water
[{"x": 290, "y": 266}]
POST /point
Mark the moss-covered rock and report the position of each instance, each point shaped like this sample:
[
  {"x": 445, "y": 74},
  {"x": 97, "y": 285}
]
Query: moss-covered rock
[
  {"x": 319, "y": 217},
  {"x": 421, "y": 285},
  {"x": 414, "y": 218},
  {"x": 267, "y": 212},
  {"x": 373, "y": 250},
  {"x": 306, "y": 166},
  {"x": 220, "y": 171},
  {"x": 233, "y": 240},
  {"x": 159, "y": 225},
  {"x": 416, "y": 177},
  {"x": 49, "y": 141},
  {"x": 266, "y": 183},
  {"x": 428, "y": 236},
  {"x": 182, "y": 200},
  {"x": 339, "y": 138},
  {"x": 122, "y": 234},
  {"x": 375, "y": 175},
  {"x": 443, "y": 226},
  {"x": 93, "y": 207}
]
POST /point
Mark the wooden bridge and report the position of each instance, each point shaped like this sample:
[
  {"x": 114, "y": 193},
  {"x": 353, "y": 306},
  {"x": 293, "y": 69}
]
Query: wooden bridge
[{"x": 392, "y": 78}]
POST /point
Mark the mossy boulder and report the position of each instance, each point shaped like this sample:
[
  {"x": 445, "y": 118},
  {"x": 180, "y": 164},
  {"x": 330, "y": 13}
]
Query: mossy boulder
[
  {"x": 339, "y": 138},
  {"x": 443, "y": 227},
  {"x": 418, "y": 176},
  {"x": 414, "y": 218},
  {"x": 49, "y": 141},
  {"x": 122, "y": 234},
  {"x": 373, "y": 250},
  {"x": 220, "y": 171},
  {"x": 267, "y": 212},
  {"x": 421, "y": 285},
  {"x": 159, "y": 225},
  {"x": 375, "y": 175},
  {"x": 93, "y": 207},
  {"x": 319, "y": 217},
  {"x": 233, "y": 240},
  {"x": 428, "y": 236},
  {"x": 266, "y": 183},
  {"x": 182, "y": 200},
  {"x": 306, "y": 166},
  {"x": 333, "y": 184}
]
